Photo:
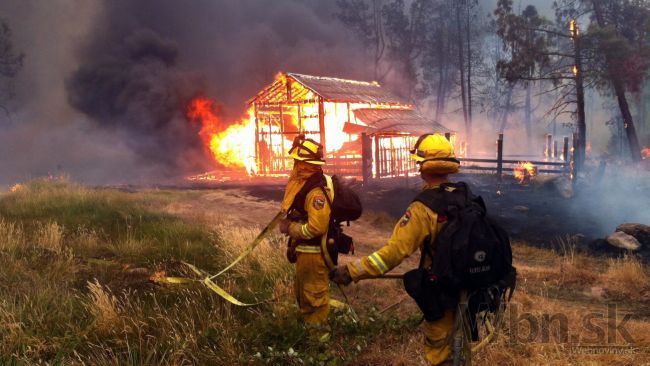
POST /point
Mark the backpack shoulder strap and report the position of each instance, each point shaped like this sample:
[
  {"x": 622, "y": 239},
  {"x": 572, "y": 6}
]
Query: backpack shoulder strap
[
  {"x": 439, "y": 199},
  {"x": 328, "y": 189},
  {"x": 315, "y": 180},
  {"x": 433, "y": 199}
]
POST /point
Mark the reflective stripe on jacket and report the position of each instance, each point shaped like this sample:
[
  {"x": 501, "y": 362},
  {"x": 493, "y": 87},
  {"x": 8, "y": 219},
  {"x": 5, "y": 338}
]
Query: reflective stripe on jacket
[
  {"x": 417, "y": 223},
  {"x": 318, "y": 217}
]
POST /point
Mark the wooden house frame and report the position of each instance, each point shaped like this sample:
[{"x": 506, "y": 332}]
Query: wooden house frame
[{"x": 365, "y": 130}]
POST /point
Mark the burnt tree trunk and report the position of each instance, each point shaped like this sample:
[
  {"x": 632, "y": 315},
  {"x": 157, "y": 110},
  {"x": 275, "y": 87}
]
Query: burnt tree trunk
[
  {"x": 619, "y": 90},
  {"x": 580, "y": 104},
  {"x": 528, "y": 115},
  {"x": 461, "y": 68}
]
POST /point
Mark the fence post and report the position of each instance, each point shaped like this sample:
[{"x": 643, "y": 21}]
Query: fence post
[
  {"x": 547, "y": 148},
  {"x": 499, "y": 156},
  {"x": 565, "y": 152},
  {"x": 377, "y": 157}
]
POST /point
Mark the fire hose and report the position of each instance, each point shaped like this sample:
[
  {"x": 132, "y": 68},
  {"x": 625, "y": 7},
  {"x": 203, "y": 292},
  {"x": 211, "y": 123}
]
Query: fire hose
[{"x": 208, "y": 280}]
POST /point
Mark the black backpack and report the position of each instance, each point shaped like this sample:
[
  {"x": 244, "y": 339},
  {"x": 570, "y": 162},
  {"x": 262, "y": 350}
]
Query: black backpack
[
  {"x": 472, "y": 252},
  {"x": 345, "y": 208}
]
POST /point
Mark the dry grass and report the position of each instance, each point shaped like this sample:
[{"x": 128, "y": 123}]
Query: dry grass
[
  {"x": 627, "y": 277},
  {"x": 75, "y": 266},
  {"x": 12, "y": 237},
  {"x": 104, "y": 307}
]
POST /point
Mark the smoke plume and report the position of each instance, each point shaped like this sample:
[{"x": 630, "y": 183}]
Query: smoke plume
[{"x": 130, "y": 67}]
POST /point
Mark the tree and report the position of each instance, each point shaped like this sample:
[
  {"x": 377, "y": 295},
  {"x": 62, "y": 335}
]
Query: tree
[
  {"x": 365, "y": 20},
  {"x": 437, "y": 63},
  {"x": 394, "y": 31},
  {"x": 10, "y": 64},
  {"x": 465, "y": 17},
  {"x": 621, "y": 31},
  {"x": 543, "y": 53},
  {"x": 494, "y": 92},
  {"x": 529, "y": 59}
]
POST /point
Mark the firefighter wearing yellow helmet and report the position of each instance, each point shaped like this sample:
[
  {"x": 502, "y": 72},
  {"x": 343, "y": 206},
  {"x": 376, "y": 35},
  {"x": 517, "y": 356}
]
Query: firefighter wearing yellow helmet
[
  {"x": 435, "y": 156},
  {"x": 306, "y": 225}
]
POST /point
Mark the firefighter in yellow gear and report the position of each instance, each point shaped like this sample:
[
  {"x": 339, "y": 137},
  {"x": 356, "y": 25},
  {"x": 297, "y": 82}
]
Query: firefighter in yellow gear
[
  {"x": 435, "y": 156},
  {"x": 306, "y": 226}
]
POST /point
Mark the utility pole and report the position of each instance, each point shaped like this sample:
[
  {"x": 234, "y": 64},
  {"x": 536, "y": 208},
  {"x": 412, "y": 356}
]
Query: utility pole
[{"x": 580, "y": 95}]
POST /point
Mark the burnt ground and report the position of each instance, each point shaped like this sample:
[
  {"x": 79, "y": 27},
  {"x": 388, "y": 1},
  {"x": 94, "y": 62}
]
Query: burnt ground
[
  {"x": 536, "y": 212},
  {"x": 528, "y": 213}
]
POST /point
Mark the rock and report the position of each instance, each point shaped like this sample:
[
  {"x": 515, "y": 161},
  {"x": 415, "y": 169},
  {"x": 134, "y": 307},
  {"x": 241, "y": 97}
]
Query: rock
[
  {"x": 639, "y": 231},
  {"x": 622, "y": 240}
]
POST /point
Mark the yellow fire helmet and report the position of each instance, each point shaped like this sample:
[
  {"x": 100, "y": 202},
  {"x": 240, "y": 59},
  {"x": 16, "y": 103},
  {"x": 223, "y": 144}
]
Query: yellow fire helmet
[
  {"x": 433, "y": 152},
  {"x": 307, "y": 150}
]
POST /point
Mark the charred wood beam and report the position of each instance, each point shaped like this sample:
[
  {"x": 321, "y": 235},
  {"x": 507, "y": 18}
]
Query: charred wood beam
[{"x": 499, "y": 156}]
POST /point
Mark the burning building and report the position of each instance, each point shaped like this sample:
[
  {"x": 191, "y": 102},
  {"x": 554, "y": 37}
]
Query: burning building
[{"x": 366, "y": 131}]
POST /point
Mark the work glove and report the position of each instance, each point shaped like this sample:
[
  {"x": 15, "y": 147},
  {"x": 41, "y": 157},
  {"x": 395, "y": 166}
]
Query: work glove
[
  {"x": 340, "y": 275},
  {"x": 284, "y": 226}
]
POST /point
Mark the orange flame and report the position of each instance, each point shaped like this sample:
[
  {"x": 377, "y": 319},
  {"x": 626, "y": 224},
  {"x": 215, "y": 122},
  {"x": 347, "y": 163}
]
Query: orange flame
[
  {"x": 243, "y": 145},
  {"x": 230, "y": 146},
  {"x": 16, "y": 187},
  {"x": 645, "y": 152},
  {"x": 525, "y": 170}
]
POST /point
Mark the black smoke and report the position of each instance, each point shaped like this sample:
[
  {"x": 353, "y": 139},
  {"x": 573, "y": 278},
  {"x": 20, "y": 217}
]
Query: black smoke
[
  {"x": 133, "y": 84},
  {"x": 144, "y": 60}
]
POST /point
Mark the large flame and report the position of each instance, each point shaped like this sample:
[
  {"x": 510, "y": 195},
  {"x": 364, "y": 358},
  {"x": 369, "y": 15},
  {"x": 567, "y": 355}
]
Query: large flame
[
  {"x": 231, "y": 146},
  {"x": 525, "y": 170},
  {"x": 264, "y": 145}
]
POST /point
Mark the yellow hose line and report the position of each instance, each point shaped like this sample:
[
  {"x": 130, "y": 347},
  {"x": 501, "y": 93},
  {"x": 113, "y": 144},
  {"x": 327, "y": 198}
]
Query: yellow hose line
[
  {"x": 208, "y": 280},
  {"x": 262, "y": 235}
]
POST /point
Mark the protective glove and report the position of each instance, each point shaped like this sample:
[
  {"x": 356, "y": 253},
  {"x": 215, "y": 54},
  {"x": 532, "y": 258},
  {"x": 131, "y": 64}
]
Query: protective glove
[
  {"x": 284, "y": 226},
  {"x": 340, "y": 275}
]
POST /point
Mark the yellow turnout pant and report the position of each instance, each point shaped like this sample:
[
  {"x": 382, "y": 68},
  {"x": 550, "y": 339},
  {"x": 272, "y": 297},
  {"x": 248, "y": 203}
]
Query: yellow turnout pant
[
  {"x": 312, "y": 288},
  {"x": 437, "y": 338}
]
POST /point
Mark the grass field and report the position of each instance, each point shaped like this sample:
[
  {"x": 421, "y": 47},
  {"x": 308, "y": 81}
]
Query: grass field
[{"x": 79, "y": 271}]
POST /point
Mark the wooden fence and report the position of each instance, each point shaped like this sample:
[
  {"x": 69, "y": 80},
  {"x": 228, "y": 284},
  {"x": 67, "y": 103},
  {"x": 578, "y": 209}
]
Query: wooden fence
[{"x": 500, "y": 165}]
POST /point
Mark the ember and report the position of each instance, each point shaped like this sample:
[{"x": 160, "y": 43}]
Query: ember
[
  {"x": 16, "y": 187},
  {"x": 524, "y": 171},
  {"x": 645, "y": 152}
]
